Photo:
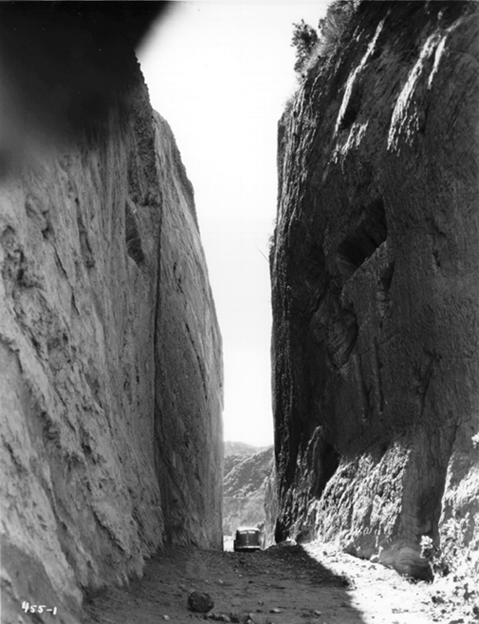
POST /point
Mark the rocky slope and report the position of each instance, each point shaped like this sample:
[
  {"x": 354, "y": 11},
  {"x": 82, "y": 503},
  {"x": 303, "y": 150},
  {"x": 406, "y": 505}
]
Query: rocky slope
[
  {"x": 244, "y": 487},
  {"x": 374, "y": 279},
  {"x": 110, "y": 364}
]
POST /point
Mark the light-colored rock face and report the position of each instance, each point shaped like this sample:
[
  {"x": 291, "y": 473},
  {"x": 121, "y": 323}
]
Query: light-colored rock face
[
  {"x": 110, "y": 366},
  {"x": 188, "y": 378},
  {"x": 375, "y": 300}
]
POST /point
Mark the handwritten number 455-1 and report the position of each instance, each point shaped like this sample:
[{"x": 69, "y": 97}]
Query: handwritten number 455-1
[{"x": 27, "y": 607}]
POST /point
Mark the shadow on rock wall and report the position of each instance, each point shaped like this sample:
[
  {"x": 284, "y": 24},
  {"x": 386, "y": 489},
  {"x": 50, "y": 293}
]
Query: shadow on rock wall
[{"x": 376, "y": 364}]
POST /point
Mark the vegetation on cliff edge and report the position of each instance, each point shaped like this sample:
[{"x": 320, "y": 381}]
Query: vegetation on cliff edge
[{"x": 311, "y": 44}]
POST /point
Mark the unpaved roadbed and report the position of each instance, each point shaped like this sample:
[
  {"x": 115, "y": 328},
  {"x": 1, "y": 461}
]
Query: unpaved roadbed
[{"x": 285, "y": 584}]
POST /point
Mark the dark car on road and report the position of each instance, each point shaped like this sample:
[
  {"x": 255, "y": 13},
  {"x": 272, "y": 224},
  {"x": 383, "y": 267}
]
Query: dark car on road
[{"x": 247, "y": 538}]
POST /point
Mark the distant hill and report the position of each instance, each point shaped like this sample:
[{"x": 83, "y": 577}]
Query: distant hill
[
  {"x": 241, "y": 448},
  {"x": 245, "y": 474},
  {"x": 244, "y": 486}
]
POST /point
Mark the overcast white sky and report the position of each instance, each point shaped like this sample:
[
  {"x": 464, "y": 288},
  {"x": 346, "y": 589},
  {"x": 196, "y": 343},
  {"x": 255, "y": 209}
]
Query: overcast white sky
[{"x": 220, "y": 73}]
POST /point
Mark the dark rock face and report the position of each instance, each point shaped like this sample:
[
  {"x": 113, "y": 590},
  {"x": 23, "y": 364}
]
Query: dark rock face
[
  {"x": 110, "y": 365},
  {"x": 374, "y": 276}
]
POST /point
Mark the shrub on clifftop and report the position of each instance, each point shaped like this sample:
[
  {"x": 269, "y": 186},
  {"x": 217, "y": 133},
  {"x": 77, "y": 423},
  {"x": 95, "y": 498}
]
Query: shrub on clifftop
[
  {"x": 311, "y": 44},
  {"x": 305, "y": 39}
]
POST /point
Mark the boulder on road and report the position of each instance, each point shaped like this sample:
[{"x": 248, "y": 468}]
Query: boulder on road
[{"x": 200, "y": 602}]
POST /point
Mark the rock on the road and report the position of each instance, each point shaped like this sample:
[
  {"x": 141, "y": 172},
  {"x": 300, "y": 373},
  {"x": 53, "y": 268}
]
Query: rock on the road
[{"x": 200, "y": 602}]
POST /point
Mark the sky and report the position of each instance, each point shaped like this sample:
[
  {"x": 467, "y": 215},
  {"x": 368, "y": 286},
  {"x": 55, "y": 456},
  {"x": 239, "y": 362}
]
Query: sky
[{"x": 220, "y": 72}]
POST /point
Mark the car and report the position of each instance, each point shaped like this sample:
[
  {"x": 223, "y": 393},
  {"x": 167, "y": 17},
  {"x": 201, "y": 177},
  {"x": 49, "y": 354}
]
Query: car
[{"x": 247, "y": 539}]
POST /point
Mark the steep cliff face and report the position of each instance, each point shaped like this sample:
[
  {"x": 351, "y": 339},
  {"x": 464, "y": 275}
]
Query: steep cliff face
[
  {"x": 188, "y": 378},
  {"x": 375, "y": 298},
  {"x": 110, "y": 364}
]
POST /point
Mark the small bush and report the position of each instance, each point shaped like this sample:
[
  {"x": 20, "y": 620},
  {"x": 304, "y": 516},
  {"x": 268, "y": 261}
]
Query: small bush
[
  {"x": 311, "y": 44},
  {"x": 332, "y": 26},
  {"x": 305, "y": 39}
]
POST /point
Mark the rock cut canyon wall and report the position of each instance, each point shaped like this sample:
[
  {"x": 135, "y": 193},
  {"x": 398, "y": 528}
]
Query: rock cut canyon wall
[
  {"x": 110, "y": 362},
  {"x": 375, "y": 269}
]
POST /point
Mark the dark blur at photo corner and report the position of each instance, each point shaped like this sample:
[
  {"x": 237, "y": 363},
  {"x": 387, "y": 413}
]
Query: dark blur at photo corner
[{"x": 64, "y": 68}]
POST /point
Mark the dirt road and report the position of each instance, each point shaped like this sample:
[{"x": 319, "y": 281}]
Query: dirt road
[{"x": 285, "y": 584}]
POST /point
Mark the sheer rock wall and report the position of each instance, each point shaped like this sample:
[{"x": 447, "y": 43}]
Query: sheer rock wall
[
  {"x": 375, "y": 269},
  {"x": 110, "y": 364}
]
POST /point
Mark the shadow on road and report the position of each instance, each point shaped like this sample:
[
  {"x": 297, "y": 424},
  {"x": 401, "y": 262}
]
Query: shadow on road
[
  {"x": 280, "y": 585},
  {"x": 295, "y": 560},
  {"x": 308, "y": 588}
]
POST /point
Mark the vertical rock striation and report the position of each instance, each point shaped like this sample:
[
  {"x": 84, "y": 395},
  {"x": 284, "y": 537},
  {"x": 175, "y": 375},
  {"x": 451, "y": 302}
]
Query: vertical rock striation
[
  {"x": 110, "y": 364},
  {"x": 375, "y": 271},
  {"x": 188, "y": 378}
]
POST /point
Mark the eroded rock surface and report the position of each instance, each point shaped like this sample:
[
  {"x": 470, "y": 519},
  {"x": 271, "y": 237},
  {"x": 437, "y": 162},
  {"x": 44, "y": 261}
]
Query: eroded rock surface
[
  {"x": 375, "y": 300},
  {"x": 110, "y": 365}
]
